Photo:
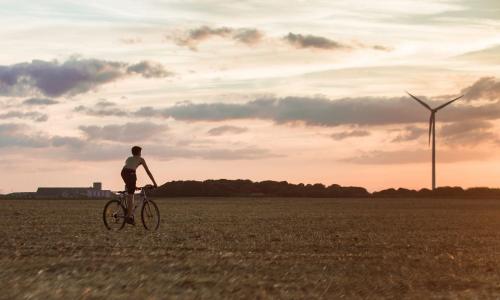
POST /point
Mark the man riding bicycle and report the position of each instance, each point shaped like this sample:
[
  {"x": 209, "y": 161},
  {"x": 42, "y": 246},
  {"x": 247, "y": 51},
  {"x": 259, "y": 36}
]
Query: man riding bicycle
[{"x": 130, "y": 179}]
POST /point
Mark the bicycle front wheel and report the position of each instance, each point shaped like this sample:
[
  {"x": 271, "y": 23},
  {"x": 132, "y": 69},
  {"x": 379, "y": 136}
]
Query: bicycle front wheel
[
  {"x": 114, "y": 215},
  {"x": 150, "y": 215}
]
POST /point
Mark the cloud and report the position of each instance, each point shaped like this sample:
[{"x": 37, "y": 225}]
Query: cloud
[
  {"x": 74, "y": 76},
  {"x": 460, "y": 133},
  {"x": 221, "y": 130},
  {"x": 490, "y": 55},
  {"x": 52, "y": 78},
  {"x": 14, "y": 135},
  {"x": 72, "y": 142},
  {"x": 312, "y": 41},
  {"x": 485, "y": 88},
  {"x": 149, "y": 69},
  {"x": 205, "y": 32},
  {"x": 318, "y": 111},
  {"x": 300, "y": 41},
  {"x": 93, "y": 151},
  {"x": 249, "y": 36},
  {"x": 478, "y": 10},
  {"x": 468, "y": 133},
  {"x": 129, "y": 132},
  {"x": 39, "y": 101},
  {"x": 415, "y": 156},
  {"x": 131, "y": 41},
  {"x": 103, "y": 103},
  {"x": 245, "y": 153},
  {"x": 32, "y": 115},
  {"x": 252, "y": 36},
  {"x": 11, "y": 128},
  {"x": 21, "y": 136},
  {"x": 410, "y": 133},
  {"x": 102, "y": 109},
  {"x": 382, "y": 48},
  {"x": 101, "y": 147},
  {"x": 309, "y": 111},
  {"x": 466, "y": 126},
  {"x": 349, "y": 134}
]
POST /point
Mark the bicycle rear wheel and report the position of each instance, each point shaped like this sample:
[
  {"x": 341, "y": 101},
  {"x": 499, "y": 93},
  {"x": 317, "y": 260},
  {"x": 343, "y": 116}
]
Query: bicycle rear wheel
[
  {"x": 150, "y": 215},
  {"x": 114, "y": 215}
]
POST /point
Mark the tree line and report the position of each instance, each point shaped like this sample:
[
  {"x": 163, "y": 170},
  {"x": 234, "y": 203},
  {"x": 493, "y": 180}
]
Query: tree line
[
  {"x": 244, "y": 188},
  {"x": 269, "y": 188}
]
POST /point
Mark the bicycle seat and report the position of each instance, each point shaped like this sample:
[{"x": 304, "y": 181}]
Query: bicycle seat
[{"x": 121, "y": 192}]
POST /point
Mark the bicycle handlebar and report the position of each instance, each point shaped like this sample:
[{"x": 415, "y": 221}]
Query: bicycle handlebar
[
  {"x": 146, "y": 187},
  {"x": 139, "y": 188}
]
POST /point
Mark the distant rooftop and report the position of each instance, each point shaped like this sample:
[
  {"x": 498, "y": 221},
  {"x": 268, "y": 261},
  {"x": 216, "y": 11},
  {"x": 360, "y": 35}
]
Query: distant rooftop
[{"x": 93, "y": 191}]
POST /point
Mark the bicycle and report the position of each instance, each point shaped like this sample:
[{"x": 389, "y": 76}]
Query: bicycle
[{"x": 115, "y": 210}]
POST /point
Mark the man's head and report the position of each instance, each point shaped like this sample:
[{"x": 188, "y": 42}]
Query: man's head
[{"x": 136, "y": 151}]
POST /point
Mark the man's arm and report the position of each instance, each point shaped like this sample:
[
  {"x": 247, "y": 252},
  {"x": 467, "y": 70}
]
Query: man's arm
[{"x": 149, "y": 172}]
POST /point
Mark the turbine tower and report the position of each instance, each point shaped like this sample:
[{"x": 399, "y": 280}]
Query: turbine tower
[{"x": 432, "y": 131}]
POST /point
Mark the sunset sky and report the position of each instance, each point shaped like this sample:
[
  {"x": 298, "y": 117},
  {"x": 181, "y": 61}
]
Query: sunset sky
[{"x": 303, "y": 91}]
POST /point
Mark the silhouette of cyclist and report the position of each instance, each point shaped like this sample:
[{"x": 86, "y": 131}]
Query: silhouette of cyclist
[{"x": 130, "y": 179}]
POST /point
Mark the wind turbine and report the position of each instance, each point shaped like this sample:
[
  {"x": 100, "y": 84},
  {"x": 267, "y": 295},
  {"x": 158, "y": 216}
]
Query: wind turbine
[{"x": 432, "y": 131}]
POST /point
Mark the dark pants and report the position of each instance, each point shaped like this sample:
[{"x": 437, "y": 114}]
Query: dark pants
[{"x": 130, "y": 180}]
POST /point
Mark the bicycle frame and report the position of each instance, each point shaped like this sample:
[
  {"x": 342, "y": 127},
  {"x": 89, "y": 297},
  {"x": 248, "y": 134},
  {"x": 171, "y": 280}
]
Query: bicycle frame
[{"x": 142, "y": 195}]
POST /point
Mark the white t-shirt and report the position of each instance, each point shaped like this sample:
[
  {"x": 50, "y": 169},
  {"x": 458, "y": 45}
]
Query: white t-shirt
[{"x": 133, "y": 162}]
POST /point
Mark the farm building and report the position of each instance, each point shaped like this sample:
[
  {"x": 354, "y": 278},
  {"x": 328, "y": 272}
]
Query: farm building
[
  {"x": 19, "y": 195},
  {"x": 95, "y": 191}
]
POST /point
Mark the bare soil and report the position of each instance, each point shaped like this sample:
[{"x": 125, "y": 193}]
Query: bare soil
[{"x": 254, "y": 248}]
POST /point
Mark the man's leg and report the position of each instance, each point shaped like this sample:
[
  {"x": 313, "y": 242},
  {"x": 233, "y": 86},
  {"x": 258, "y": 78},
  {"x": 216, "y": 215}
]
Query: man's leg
[{"x": 130, "y": 204}]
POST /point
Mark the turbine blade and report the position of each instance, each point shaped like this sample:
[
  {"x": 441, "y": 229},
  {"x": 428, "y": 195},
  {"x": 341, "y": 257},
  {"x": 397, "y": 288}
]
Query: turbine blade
[
  {"x": 447, "y": 103},
  {"x": 420, "y": 101}
]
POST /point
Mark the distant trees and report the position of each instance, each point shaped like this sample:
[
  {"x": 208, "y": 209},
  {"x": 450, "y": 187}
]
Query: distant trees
[
  {"x": 243, "y": 188},
  {"x": 440, "y": 192},
  {"x": 269, "y": 188}
]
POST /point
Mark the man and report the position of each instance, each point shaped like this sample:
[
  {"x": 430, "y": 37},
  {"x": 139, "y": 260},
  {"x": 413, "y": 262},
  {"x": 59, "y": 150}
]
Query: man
[{"x": 130, "y": 179}]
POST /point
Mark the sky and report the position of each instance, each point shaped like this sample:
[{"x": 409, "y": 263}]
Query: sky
[{"x": 296, "y": 90}]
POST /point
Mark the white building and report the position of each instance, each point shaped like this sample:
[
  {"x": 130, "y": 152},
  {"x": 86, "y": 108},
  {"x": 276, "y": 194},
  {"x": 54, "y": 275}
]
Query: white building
[{"x": 95, "y": 191}]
